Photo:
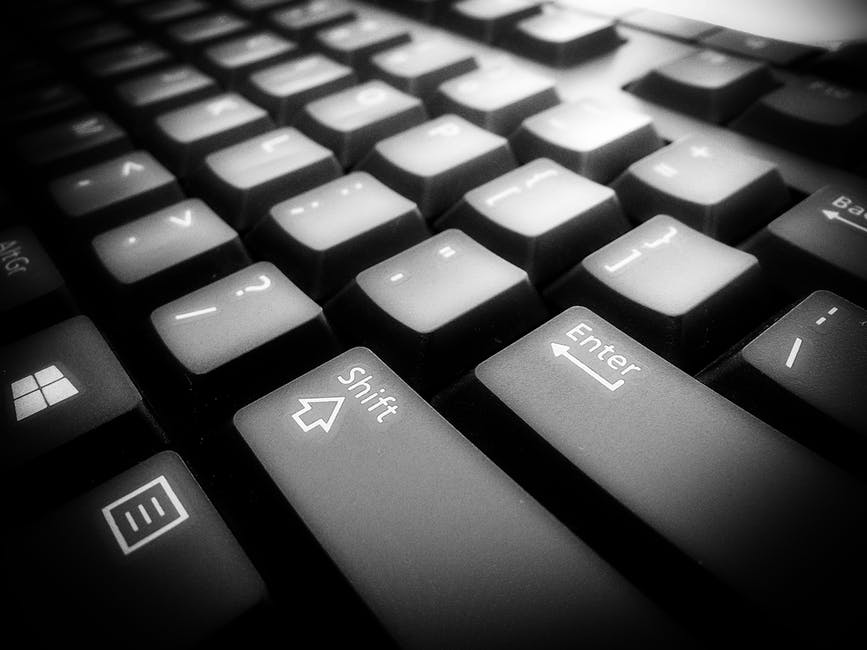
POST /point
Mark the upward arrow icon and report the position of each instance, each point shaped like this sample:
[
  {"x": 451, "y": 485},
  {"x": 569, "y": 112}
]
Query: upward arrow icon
[{"x": 317, "y": 412}]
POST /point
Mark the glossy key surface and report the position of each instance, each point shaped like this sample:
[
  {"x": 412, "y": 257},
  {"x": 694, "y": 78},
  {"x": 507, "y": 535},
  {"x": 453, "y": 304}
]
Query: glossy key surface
[
  {"x": 124, "y": 60},
  {"x": 563, "y": 38},
  {"x": 421, "y": 66},
  {"x": 303, "y": 21},
  {"x": 146, "y": 95},
  {"x": 355, "y": 42},
  {"x": 489, "y": 20},
  {"x": 208, "y": 27},
  {"x": 231, "y": 59}
]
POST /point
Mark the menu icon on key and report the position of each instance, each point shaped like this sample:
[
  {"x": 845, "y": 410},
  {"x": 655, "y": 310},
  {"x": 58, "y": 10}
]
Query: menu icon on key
[{"x": 144, "y": 514}]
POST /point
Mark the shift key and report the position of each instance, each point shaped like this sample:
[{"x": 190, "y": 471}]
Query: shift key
[
  {"x": 776, "y": 525},
  {"x": 445, "y": 549}
]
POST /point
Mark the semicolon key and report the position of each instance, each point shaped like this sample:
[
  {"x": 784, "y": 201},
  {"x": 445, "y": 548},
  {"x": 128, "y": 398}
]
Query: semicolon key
[
  {"x": 480, "y": 563},
  {"x": 666, "y": 459}
]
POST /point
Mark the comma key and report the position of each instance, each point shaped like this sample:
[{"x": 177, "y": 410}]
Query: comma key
[
  {"x": 444, "y": 548},
  {"x": 666, "y": 459}
]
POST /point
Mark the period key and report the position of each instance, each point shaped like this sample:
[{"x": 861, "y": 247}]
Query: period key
[{"x": 444, "y": 548}]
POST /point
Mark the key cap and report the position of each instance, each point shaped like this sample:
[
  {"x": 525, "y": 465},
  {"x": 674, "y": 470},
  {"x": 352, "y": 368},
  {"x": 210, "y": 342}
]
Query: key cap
[
  {"x": 159, "y": 13},
  {"x": 587, "y": 136},
  {"x": 114, "y": 192},
  {"x": 435, "y": 163},
  {"x": 82, "y": 141},
  {"x": 68, "y": 407},
  {"x": 489, "y": 20},
  {"x": 463, "y": 590},
  {"x": 720, "y": 192},
  {"x": 166, "y": 254},
  {"x": 285, "y": 88},
  {"x": 45, "y": 103},
  {"x": 437, "y": 308},
  {"x": 230, "y": 61},
  {"x": 420, "y": 67},
  {"x": 193, "y": 32},
  {"x": 496, "y": 98},
  {"x": 820, "y": 242},
  {"x": 681, "y": 27},
  {"x": 33, "y": 294},
  {"x": 811, "y": 116},
  {"x": 681, "y": 293},
  {"x": 322, "y": 238},
  {"x": 234, "y": 328},
  {"x": 843, "y": 65},
  {"x": 143, "y": 97},
  {"x": 124, "y": 60},
  {"x": 246, "y": 179},
  {"x": 710, "y": 85},
  {"x": 302, "y": 22},
  {"x": 564, "y": 38},
  {"x": 146, "y": 552},
  {"x": 354, "y": 43},
  {"x": 540, "y": 216},
  {"x": 186, "y": 135},
  {"x": 600, "y": 415},
  {"x": 352, "y": 121},
  {"x": 773, "y": 51},
  {"x": 95, "y": 36}
]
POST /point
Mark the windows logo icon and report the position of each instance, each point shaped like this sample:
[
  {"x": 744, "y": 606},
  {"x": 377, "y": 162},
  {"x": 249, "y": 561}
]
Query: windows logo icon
[{"x": 36, "y": 392}]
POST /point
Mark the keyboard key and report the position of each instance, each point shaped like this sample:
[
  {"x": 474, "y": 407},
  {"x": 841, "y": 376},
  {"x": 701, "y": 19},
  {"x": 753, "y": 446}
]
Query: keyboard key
[
  {"x": 246, "y": 179},
  {"x": 489, "y": 20},
  {"x": 681, "y": 293},
  {"x": 67, "y": 399},
  {"x": 33, "y": 294},
  {"x": 124, "y": 60},
  {"x": 436, "y": 163},
  {"x": 773, "y": 51},
  {"x": 186, "y": 135},
  {"x": 354, "y": 43},
  {"x": 713, "y": 86},
  {"x": 95, "y": 36},
  {"x": 820, "y": 242},
  {"x": 541, "y": 217},
  {"x": 497, "y": 98},
  {"x": 723, "y": 193},
  {"x": 192, "y": 33},
  {"x": 143, "y": 97},
  {"x": 502, "y": 573},
  {"x": 168, "y": 253},
  {"x": 564, "y": 38},
  {"x": 681, "y": 27},
  {"x": 600, "y": 415},
  {"x": 115, "y": 191},
  {"x": 322, "y": 238},
  {"x": 159, "y": 13},
  {"x": 351, "y": 121},
  {"x": 437, "y": 308},
  {"x": 45, "y": 103},
  {"x": 587, "y": 136},
  {"x": 287, "y": 87},
  {"x": 811, "y": 116},
  {"x": 230, "y": 61},
  {"x": 843, "y": 65},
  {"x": 145, "y": 551},
  {"x": 420, "y": 67},
  {"x": 234, "y": 328},
  {"x": 302, "y": 22},
  {"x": 82, "y": 141}
]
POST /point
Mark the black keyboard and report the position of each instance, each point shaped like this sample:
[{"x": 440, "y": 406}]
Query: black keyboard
[{"x": 429, "y": 324}]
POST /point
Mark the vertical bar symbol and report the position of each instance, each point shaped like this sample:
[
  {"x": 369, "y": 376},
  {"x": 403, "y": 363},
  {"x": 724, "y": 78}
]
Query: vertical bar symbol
[{"x": 793, "y": 353}]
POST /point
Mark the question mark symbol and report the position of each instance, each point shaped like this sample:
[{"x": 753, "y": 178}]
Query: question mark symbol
[{"x": 264, "y": 283}]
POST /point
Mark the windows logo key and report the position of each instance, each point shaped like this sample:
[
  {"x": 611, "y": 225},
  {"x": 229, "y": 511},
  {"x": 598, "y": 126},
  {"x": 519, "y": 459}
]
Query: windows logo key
[{"x": 36, "y": 392}]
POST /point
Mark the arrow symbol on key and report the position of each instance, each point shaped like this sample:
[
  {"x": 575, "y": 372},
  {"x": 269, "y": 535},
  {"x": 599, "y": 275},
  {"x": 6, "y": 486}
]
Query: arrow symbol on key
[
  {"x": 564, "y": 351},
  {"x": 129, "y": 167},
  {"x": 833, "y": 214},
  {"x": 327, "y": 414}
]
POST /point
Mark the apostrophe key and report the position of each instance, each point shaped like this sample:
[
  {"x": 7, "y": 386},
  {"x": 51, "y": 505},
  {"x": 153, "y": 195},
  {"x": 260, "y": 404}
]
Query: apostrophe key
[
  {"x": 300, "y": 23},
  {"x": 420, "y": 67},
  {"x": 681, "y": 293},
  {"x": 351, "y": 121},
  {"x": 355, "y": 452},
  {"x": 587, "y": 136},
  {"x": 321, "y": 239},
  {"x": 192, "y": 33},
  {"x": 497, "y": 97},
  {"x": 124, "y": 60},
  {"x": 563, "y": 38},
  {"x": 710, "y": 85},
  {"x": 283, "y": 89},
  {"x": 144, "y": 551},
  {"x": 230, "y": 61},
  {"x": 354, "y": 43},
  {"x": 235, "y": 327},
  {"x": 707, "y": 489},
  {"x": 489, "y": 20},
  {"x": 142, "y": 97},
  {"x": 541, "y": 217},
  {"x": 114, "y": 192},
  {"x": 437, "y": 308},
  {"x": 820, "y": 242},
  {"x": 33, "y": 294},
  {"x": 166, "y": 254},
  {"x": 435, "y": 163},
  {"x": 186, "y": 135},
  {"x": 244, "y": 180},
  {"x": 81, "y": 141},
  {"x": 723, "y": 193}
]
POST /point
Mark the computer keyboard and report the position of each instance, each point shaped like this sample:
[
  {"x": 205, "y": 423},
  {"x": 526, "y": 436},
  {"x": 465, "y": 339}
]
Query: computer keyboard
[{"x": 429, "y": 324}]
